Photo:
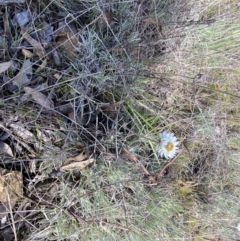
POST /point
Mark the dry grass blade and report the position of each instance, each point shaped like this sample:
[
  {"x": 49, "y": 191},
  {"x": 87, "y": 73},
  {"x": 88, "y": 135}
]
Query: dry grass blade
[
  {"x": 40, "y": 98},
  {"x": 9, "y": 201},
  {"x": 4, "y": 66}
]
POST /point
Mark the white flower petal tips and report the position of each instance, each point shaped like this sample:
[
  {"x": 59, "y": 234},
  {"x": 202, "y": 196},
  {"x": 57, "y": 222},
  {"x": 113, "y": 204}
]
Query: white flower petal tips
[{"x": 168, "y": 146}]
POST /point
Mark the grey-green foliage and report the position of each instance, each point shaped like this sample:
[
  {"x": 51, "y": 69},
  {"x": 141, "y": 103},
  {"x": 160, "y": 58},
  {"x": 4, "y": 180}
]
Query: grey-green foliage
[{"x": 111, "y": 202}]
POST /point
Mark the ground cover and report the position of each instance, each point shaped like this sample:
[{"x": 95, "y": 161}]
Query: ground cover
[{"x": 86, "y": 87}]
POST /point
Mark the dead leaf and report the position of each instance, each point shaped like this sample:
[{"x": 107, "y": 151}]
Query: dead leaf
[
  {"x": 79, "y": 162},
  {"x": 80, "y": 145},
  {"x": 25, "y": 74},
  {"x": 7, "y": 28},
  {"x": 104, "y": 21},
  {"x": 20, "y": 142},
  {"x": 42, "y": 66},
  {"x": 4, "y": 66},
  {"x": 57, "y": 76},
  {"x": 27, "y": 54},
  {"x": 25, "y": 135},
  {"x": 77, "y": 165},
  {"x": 113, "y": 107},
  {"x": 40, "y": 51},
  {"x": 22, "y": 132},
  {"x": 11, "y": 189},
  {"x": 5, "y": 150},
  {"x": 56, "y": 58},
  {"x": 82, "y": 156},
  {"x": 46, "y": 34},
  {"x": 40, "y": 98},
  {"x": 67, "y": 41},
  {"x": 21, "y": 18}
]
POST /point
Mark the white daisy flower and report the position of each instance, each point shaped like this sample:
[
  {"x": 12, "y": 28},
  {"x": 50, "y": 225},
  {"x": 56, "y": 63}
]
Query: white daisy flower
[{"x": 168, "y": 146}]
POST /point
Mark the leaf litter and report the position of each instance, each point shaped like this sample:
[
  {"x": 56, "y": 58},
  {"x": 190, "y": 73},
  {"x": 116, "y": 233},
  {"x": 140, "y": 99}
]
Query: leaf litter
[
  {"x": 5, "y": 66},
  {"x": 21, "y": 18},
  {"x": 39, "y": 98},
  {"x": 42, "y": 66},
  {"x": 27, "y": 53},
  {"x": 18, "y": 141},
  {"x": 11, "y": 189},
  {"x": 77, "y": 163},
  {"x": 24, "y": 134},
  {"x": 5, "y": 151},
  {"x": 44, "y": 41},
  {"x": 40, "y": 51},
  {"x": 67, "y": 39},
  {"x": 24, "y": 76},
  {"x": 46, "y": 34}
]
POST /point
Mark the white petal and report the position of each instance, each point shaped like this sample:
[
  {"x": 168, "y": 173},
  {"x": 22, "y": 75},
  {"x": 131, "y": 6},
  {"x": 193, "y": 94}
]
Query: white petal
[{"x": 167, "y": 137}]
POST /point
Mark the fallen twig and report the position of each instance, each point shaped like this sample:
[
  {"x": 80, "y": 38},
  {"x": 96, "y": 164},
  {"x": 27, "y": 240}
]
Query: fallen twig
[
  {"x": 131, "y": 157},
  {"x": 158, "y": 175}
]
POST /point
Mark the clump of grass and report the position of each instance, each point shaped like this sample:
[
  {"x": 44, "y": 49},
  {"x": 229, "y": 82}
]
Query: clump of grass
[
  {"x": 109, "y": 201},
  {"x": 203, "y": 101}
]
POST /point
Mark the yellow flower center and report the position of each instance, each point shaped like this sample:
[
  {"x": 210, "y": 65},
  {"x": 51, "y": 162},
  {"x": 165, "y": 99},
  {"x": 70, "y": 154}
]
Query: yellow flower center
[{"x": 169, "y": 146}]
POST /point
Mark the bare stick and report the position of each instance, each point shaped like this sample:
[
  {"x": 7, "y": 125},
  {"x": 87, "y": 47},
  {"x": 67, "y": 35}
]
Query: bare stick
[
  {"x": 130, "y": 156},
  {"x": 158, "y": 176},
  {"x": 11, "y": 215}
]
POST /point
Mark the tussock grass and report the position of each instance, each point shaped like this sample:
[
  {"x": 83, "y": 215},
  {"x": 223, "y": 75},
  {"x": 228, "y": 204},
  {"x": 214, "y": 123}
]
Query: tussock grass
[{"x": 113, "y": 203}]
